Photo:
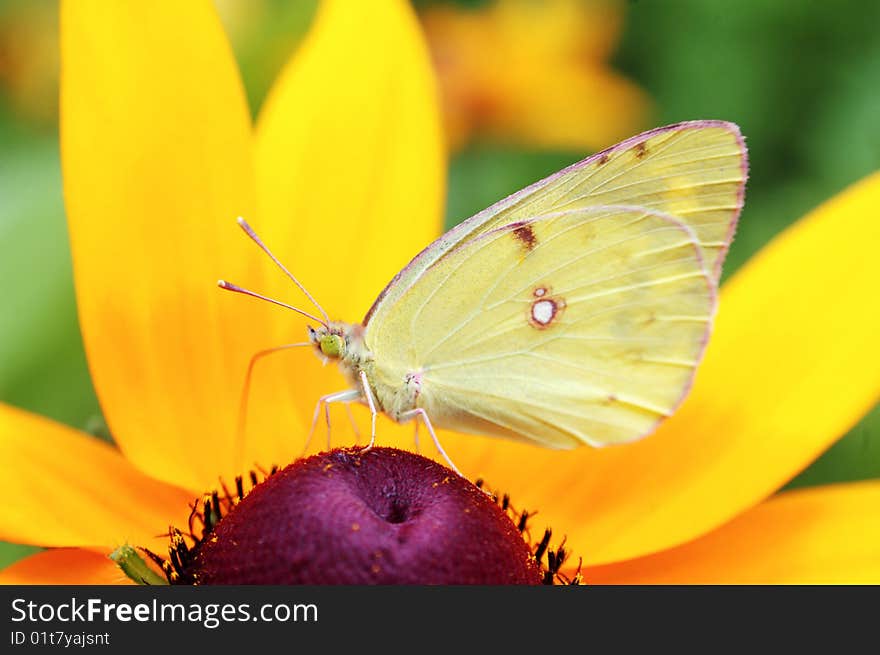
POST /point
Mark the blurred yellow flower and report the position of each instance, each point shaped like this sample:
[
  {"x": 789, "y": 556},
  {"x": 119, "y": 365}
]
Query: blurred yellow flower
[
  {"x": 29, "y": 59},
  {"x": 533, "y": 73},
  {"x": 159, "y": 154}
]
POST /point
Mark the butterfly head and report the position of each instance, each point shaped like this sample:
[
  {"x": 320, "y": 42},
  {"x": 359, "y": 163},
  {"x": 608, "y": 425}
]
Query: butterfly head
[{"x": 330, "y": 341}]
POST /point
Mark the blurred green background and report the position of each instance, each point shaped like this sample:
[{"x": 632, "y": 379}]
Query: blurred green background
[{"x": 801, "y": 79}]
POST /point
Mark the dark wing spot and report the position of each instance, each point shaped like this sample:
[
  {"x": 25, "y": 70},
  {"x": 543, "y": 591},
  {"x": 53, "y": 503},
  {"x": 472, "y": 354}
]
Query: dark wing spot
[
  {"x": 603, "y": 159},
  {"x": 526, "y": 236},
  {"x": 640, "y": 150}
]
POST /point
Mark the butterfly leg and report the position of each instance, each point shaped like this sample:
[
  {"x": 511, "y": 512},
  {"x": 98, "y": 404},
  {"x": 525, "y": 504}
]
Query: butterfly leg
[
  {"x": 368, "y": 394},
  {"x": 420, "y": 413},
  {"x": 340, "y": 396},
  {"x": 245, "y": 392},
  {"x": 354, "y": 425}
]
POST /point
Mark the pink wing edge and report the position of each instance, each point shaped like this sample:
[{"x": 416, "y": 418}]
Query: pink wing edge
[{"x": 480, "y": 217}]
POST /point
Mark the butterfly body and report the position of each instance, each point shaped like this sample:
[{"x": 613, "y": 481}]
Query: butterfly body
[{"x": 394, "y": 388}]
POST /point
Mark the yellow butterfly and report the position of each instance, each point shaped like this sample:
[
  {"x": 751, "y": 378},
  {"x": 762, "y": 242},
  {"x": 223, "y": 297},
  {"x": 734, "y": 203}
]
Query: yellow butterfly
[{"x": 572, "y": 312}]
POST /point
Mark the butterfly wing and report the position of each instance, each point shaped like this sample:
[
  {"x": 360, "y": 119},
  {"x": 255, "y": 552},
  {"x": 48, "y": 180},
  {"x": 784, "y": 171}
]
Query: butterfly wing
[
  {"x": 580, "y": 326},
  {"x": 694, "y": 171}
]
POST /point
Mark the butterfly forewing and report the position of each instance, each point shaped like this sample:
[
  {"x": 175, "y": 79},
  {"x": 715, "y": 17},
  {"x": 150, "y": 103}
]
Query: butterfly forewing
[
  {"x": 578, "y": 326},
  {"x": 694, "y": 171},
  {"x": 696, "y": 175}
]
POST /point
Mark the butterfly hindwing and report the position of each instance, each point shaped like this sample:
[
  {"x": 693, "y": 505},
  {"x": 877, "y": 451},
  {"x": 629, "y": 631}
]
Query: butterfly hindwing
[{"x": 578, "y": 326}]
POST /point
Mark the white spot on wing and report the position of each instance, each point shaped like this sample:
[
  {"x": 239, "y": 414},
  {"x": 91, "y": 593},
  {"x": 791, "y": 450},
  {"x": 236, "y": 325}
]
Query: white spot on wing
[{"x": 543, "y": 311}]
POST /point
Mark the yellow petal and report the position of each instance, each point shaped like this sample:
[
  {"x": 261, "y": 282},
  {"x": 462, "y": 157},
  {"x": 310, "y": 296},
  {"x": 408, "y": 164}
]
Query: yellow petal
[
  {"x": 64, "y": 488},
  {"x": 350, "y": 169},
  {"x": 821, "y": 535},
  {"x": 156, "y": 153},
  {"x": 794, "y": 362},
  {"x": 71, "y": 566}
]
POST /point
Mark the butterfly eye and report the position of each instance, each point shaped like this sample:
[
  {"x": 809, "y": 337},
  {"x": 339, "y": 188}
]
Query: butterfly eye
[{"x": 332, "y": 345}]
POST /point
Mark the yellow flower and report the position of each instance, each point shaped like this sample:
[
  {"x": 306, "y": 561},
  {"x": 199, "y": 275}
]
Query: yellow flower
[
  {"x": 533, "y": 73},
  {"x": 29, "y": 60},
  {"x": 344, "y": 176}
]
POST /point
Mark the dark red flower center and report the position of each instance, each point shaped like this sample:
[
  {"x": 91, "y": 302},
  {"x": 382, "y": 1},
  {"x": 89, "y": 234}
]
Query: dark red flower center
[{"x": 348, "y": 516}]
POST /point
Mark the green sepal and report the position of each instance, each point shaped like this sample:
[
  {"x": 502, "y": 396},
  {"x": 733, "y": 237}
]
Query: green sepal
[{"x": 134, "y": 566}]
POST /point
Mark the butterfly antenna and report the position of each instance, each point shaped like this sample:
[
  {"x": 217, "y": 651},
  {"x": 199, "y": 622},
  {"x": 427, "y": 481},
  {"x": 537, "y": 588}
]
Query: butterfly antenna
[
  {"x": 256, "y": 239},
  {"x": 228, "y": 286}
]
